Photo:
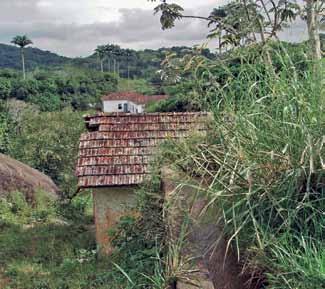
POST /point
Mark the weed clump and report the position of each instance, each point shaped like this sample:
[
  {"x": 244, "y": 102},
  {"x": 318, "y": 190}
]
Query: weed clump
[{"x": 264, "y": 162}]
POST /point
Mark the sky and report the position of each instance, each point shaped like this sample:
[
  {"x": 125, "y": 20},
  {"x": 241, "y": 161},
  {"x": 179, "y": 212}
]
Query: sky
[{"x": 75, "y": 27}]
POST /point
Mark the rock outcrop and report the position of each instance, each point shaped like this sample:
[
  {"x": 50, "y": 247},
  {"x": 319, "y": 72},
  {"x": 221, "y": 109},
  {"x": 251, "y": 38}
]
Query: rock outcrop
[{"x": 16, "y": 176}]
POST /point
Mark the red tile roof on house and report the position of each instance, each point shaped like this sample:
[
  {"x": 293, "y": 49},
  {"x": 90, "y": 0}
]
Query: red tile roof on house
[
  {"x": 117, "y": 148},
  {"x": 134, "y": 97}
]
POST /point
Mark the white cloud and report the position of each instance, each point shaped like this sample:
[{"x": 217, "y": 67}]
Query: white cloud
[{"x": 76, "y": 27}]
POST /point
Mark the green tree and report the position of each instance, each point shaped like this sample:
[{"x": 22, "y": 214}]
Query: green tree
[
  {"x": 101, "y": 53},
  {"x": 5, "y": 122},
  {"x": 113, "y": 51},
  {"x": 5, "y": 88},
  {"x": 22, "y": 42},
  {"x": 48, "y": 141},
  {"x": 129, "y": 54},
  {"x": 23, "y": 89},
  {"x": 46, "y": 101},
  {"x": 238, "y": 22}
]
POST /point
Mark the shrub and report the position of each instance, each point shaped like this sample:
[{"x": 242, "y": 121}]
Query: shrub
[
  {"x": 49, "y": 142},
  {"x": 46, "y": 101},
  {"x": 54, "y": 90},
  {"x": 139, "y": 241},
  {"x": 5, "y": 88},
  {"x": 5, "y": 126}
]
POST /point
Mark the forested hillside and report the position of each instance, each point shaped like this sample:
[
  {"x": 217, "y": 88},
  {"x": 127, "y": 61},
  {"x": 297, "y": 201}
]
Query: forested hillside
[
  {"x": 53, "y": 90},
  {"x": 54, "y": 82},
  {"x": 10, "y": 58},
  {"x": 140, "y": 64}
]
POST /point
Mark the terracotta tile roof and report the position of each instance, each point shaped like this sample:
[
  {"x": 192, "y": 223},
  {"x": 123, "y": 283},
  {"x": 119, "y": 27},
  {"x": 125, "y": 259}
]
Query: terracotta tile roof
[
  {"x": 117, "y": 148},
  {"x": 134, "y": 97}
]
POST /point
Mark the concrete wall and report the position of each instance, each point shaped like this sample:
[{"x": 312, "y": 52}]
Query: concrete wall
[
  {"x": 113, "y": 106},
  {"x": 110, "y": 204},
  {"x": 204, "y": 248}
]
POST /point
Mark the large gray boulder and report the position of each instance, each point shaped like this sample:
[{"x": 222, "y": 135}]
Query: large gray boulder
[{"x": 16, "y": 176}]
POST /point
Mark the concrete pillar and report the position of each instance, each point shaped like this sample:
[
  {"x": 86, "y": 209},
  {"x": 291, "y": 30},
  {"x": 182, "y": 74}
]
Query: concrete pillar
[{"x": 110, "y": 204}]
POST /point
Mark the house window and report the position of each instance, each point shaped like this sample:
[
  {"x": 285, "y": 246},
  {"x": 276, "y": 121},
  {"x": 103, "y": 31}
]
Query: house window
[{"x": 120, "y": 106}]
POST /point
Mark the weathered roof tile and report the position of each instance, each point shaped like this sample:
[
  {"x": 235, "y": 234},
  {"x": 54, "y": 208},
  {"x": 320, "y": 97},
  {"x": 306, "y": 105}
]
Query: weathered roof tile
[{"x": 118, "y": 152}]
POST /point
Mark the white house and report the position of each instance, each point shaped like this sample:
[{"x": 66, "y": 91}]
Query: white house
[{"x": 130, "y": 102}]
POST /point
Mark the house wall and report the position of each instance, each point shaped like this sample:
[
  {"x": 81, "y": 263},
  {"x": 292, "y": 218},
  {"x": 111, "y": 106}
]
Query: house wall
[
  {"x": 140, "y": 108},
  {"x": 113, "y": 106},
  {"x": 110, "y": 204}
]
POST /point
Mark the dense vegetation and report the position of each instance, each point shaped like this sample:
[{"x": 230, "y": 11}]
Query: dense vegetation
[
  {"x": 263, "y": 159},
  {"x": 266, "y": 149},
  {"x": 126, "y": 63},
  {"x": 190, "y": 91},
  {"x": 269, "y": 133},
  {"x": 54, "y": 90},
  {"x": 50, "y": 245}
]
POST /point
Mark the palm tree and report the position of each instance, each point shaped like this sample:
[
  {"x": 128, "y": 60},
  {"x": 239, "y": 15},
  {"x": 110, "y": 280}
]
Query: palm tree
[
  {"x": 22, "y": 42},
  {"x": 129, "y": 54},
  {"x": 101, "y": 53},
  {"x": 113, "y": 51}
]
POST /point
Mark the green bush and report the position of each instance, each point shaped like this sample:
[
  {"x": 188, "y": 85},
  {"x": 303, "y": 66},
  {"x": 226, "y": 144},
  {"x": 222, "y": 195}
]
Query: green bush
[
  {"x": 5, "y": 88},
  {"x": 49, "y": 142},
  {"x": 139, "y": 241},
  {"x": 16, "y": 210},
  {"x": 46, "y": 245},
  {"x": 6, "y": 126},
  {"x": 38, "y": 247},
  {"x": 77, "y": 210},
  {"x": 46, "y": 101},
  {"x": 56, "y": 89}
]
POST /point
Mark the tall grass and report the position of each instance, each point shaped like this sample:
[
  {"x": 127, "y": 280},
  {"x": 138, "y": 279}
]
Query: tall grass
[{"x": 264, "y": 160}]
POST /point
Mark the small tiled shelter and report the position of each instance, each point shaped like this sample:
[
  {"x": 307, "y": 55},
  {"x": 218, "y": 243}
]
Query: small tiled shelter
[{"x": 114, "y": 158}]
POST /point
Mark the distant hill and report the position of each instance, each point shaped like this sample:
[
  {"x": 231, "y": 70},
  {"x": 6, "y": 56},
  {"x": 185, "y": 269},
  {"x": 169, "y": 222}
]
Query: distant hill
[
  {"x": 10, "y": 58},
  {"x": 142, "y": 64}
]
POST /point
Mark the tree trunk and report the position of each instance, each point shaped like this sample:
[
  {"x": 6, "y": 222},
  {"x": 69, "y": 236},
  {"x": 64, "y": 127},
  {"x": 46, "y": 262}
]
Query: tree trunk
[
  {"x": 23, "y": 62},
  {"x": 114, "y": 66},
  {"x": 267, "y": 56},
  {"x": 102, "y": 65},
  {"x": 313, "y": 24},
  {"x": 128, "y": 75}
]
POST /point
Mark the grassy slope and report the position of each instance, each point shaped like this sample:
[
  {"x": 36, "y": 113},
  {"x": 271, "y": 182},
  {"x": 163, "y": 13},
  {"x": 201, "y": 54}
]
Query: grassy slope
[
  {"x": 52, "y": 246},
  {"x": 38, "y": 249},
  {"x": 265, "y": 156}
]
